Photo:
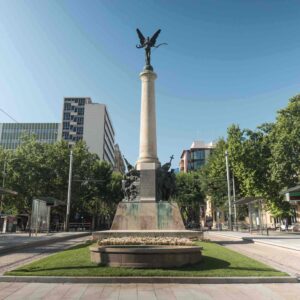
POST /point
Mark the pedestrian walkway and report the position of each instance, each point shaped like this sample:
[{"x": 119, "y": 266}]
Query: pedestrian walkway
[
  {"x": 12, "y": 242},
  {"x": 15, "y": 291},
  {"x": 285, "y": 240},
  {"x": 281, "y": 258},
  {"x": 12, "y": 260}
]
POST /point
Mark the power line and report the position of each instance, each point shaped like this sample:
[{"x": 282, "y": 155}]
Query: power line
[{"x": 9, "y": 115}]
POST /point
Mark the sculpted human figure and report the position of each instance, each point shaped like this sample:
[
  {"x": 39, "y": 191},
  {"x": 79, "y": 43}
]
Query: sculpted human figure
[
  {"x": 130, "y": 182},
  {"x": 147, "y": 44}
]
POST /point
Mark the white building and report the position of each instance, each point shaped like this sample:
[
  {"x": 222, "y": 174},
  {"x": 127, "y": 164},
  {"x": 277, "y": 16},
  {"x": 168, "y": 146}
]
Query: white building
[
  {"x": 195, "y": 157},
  {"x": 88, "y": 121}
]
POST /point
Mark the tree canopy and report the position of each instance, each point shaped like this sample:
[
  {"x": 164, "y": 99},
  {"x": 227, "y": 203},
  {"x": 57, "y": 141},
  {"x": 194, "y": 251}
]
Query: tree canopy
[
  {"x": 37, "y": 169},
  {"x": 263, "y": 161}
]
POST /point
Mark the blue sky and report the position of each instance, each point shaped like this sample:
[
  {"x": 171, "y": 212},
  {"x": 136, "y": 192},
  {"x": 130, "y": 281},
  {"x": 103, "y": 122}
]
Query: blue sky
[{"x": 226, "y": 62}]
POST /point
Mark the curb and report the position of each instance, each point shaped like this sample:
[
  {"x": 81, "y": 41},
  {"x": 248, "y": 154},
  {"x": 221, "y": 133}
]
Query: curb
[
  {"x": 257, "y": 241},
  {"x": 178, "y": 280},
  {"x": 41, "y": 242}
]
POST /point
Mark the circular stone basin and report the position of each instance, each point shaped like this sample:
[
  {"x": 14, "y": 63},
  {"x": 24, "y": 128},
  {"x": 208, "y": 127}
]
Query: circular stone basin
[{"x": 140, "y": 256}]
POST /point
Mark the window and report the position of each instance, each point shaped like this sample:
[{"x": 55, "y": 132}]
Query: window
[
  {"x": 80, "y": 111},
  {"x": 80, "y": 130},
  {"x": 81, "y": 101},
  {"x": 80, "y": 121},
  {"x": 67, "y": 106},
  {"x": 66, "y": 125},
  {"x": 66, "y": 116}
]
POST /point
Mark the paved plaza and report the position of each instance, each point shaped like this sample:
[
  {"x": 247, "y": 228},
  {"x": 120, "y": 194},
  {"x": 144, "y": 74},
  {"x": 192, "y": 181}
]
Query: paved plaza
[
  {"x": 14, "y": 291},
  {"x": 281, "y": 258},
  {"x": 12, "y": 241},
  {"x": 285, "y": 240}
]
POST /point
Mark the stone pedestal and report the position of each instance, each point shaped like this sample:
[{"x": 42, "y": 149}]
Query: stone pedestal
[
  {"x": 147, "y": 216},
  {"x": 148, "y": 182}
]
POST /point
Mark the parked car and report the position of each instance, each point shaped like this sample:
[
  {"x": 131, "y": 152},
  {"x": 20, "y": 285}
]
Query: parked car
[{"x": 295, "y": 227}]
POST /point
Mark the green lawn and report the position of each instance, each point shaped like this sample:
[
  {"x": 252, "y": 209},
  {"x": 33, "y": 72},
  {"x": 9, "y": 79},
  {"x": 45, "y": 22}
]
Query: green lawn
[{"x": 217, "y": 261}]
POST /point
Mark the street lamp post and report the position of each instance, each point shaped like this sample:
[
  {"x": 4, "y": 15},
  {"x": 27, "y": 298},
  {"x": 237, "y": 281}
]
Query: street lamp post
[
  {"x": 234, "y": 204},
  {"x": 69, "y": 192},
  {"x": 229, "y": 191},
  {"x": 3, "y": 184}
]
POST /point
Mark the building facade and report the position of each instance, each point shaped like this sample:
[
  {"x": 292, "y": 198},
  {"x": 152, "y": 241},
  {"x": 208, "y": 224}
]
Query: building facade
[
  {"x": 119, "y": 161},
  {"x": 11, "y": 134},
  {"x": 88, "y": 121},
  {"x": 81, "y": 120},
  {"x": 195, "y": 157}
]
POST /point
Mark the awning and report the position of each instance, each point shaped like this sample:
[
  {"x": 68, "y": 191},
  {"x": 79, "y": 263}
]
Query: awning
[
  {"x": 51, "y": 201},
  {"x": 293, "y": 189}
]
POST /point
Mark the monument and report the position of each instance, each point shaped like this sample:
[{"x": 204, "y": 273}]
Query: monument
[
  {"x": 145, "y": 207},
  {"x": 146, "y": 210}
]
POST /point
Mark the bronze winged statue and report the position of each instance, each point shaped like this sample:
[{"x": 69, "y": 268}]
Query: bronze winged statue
[{"x": 147, "y": 44}]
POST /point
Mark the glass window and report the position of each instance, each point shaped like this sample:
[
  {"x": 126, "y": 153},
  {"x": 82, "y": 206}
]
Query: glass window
[
  {"x": 66, "y": 125},
  {"x": 66, "y": 116},
  {"x": 80, "y": 121},
  {"x": 67, "y": 106},
  {"x": 80, "y": 130}
]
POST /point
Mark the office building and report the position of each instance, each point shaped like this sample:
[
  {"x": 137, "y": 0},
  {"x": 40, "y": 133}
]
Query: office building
[
  {"x": 11, "y": 134},
  {"x": 119, "y": 161},
  {"x": 195, "y": 157},
  {"x": 90, "y": 122}
]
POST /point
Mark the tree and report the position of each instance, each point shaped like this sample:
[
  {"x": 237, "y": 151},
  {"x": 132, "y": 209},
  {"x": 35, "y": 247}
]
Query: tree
[
  {"x": 36, "y": 169},
  {"x": 285, "y": 163},
  {"x": 213, "y": 176},
  {"x": 189, "y": 196}
]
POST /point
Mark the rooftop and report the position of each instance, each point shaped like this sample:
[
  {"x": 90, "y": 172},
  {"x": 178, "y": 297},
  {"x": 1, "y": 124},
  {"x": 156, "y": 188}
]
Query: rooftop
[{"x": 203, "y": 145}]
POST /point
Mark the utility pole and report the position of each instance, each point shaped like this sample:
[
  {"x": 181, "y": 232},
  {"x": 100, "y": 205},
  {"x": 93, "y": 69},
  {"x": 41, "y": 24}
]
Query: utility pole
[
  {"x": 69, "y": 192},
  {"x": 229, "y": 192},
  {"x": 234, "y": 205}
]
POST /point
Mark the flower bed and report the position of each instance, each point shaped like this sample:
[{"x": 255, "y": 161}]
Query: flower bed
[{"x": 164, "y": 241}]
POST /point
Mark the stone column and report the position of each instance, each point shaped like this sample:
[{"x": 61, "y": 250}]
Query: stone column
[
  {"x": 148, "y": 145},
  {"x": 148, "y": 162}
]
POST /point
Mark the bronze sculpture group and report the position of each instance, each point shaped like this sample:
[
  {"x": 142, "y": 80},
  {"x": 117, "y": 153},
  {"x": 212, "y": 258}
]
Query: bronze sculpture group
[{"x": 165, "y": 182}]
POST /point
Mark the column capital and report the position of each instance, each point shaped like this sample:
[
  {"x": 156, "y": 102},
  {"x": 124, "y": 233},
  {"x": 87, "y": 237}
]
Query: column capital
[{"x": 148, "y": 75}]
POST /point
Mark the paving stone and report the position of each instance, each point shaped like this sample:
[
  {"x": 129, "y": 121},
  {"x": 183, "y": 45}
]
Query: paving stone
[
  {"x": 110, "y": 292},
  {"x": 93, "y": 291},
  {"x": 128, "y": 292},
  {"x": 58, "y": 291},
  {"x": 146, "y": 291},
  {"x": 24, "y": 292},
  {"x": 11, "y": 289},
  {"x": 75, "y": 292},
  {"x": 163, "y": 291}
]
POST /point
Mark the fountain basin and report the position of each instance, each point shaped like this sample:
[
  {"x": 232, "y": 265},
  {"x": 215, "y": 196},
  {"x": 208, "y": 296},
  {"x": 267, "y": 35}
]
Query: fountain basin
[{"x": 144, "y": 256}]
